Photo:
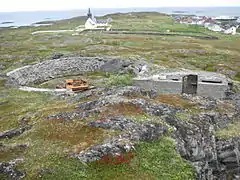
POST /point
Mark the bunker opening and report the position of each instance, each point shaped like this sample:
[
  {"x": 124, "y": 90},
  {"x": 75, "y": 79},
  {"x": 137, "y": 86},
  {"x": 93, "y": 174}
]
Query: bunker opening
[
  {"x": 214, "y": 82},
  {"x": 190, "y": 84}
]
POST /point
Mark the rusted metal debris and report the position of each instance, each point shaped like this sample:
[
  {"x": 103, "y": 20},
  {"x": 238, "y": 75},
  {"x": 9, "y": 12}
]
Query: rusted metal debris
[{"x": 75, "y": 85}]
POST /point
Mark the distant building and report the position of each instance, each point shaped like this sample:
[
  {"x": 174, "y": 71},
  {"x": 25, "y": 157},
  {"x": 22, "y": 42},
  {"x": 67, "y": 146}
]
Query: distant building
[
  {"x": 232, "y": 30},
  {"x": 225, "y": 18},
  {"x": 238, "y": 20},
  {"x": 93, "y": 23},
  {"x": 215, "y": 27}
]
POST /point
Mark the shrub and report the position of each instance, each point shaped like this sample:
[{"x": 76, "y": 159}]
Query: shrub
[{"x": 119, "y": 80}]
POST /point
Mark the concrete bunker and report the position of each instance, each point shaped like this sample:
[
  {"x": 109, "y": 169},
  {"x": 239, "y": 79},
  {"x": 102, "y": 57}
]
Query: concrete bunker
[{"x": 205, "y": 84}]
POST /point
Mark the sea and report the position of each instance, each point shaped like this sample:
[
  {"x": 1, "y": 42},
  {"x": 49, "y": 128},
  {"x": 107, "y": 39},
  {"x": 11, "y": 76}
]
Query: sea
[{"x": 17, "y": 19}]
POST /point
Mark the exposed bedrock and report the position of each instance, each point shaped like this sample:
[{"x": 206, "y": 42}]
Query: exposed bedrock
[
  {"x": 14, "y": 132},
  {"x": 51, "y": 69},
  {"x": 195, "y": 137},
  {"x": 10, "y": 171},
  {"x": 123, "y": 143}
]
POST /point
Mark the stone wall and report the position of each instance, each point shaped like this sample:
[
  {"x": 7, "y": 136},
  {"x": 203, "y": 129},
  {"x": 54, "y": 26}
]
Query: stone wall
[{"x": 50, "y": 69}]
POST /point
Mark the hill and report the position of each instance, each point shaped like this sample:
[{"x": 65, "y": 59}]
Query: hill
[{"x": 117, "y": 131}]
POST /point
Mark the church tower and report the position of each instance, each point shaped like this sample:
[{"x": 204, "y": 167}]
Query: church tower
[{"x": 89, "y": 15}]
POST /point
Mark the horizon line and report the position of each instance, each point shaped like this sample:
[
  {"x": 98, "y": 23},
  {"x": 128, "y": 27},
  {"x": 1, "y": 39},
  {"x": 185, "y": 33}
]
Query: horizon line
[{"x": 115, "y": 8}]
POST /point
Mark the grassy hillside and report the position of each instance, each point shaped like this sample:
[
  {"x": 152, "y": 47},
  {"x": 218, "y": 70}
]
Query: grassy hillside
[
  {"x": 19, "y": 47},
  {"x": 49, "y": 141}
]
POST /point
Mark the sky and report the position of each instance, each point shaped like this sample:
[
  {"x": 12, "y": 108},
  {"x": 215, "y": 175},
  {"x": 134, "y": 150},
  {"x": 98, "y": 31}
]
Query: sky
[{"x": 35, "y": 5}]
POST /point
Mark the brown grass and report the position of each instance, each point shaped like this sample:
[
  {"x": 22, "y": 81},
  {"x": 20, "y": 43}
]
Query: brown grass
[
  {"x": 226, "y": 107},
  {"x": 72, "y": 134},
  {"x": 175, "y": 100},
  {"x": 7, "y": 154},
  {"x": 121, "y": 109}
]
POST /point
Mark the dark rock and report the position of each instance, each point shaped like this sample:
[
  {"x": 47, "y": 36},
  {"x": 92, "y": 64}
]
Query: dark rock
[
  {"x": 8, "y": 169},
  {"x": 14, "y": 132},
  {"x": 56, "y": 56}
]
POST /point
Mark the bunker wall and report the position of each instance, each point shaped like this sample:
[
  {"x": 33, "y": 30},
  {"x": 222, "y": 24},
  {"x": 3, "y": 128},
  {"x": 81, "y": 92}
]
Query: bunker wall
[
  {"x": 212, "y": 90},
  {"x": 162, "y": 87},
  {"x": 175, "y": 87}
]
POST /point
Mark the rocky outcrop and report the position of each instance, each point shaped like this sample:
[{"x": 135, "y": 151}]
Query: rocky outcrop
[
  {"x": 86, "y": 109},
  {"x": 112, "y": 97},
  {"x": 229, "y": 157},
  {"x": 9, "y": 170},
  {"x": 123, "y": 143},
  {"x": 14, "y": 132},
  {"x": 64, "y": 66},
  {"x": 195, "y": 136},
  {"x": 196, "y": 142}
]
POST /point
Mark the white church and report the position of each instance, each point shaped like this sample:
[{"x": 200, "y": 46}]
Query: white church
[{"x": 93, "y": 23}]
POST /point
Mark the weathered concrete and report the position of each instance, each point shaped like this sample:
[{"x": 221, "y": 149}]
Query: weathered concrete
[
  {"x": 212, "y": 90},
  {"x": 162, "y": 87},
  {"x": 208, "y": 84}
]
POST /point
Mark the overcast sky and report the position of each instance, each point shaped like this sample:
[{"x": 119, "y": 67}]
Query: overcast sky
[{"x": 33, "y": 5}]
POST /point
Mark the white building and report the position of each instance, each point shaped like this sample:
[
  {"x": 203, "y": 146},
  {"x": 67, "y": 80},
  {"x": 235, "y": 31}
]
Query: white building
[
  {"x": 215, "y": 27},
  {"x": 225, "y": 18},
  {"x": 232, "y": 30},
  {"x": 238, "y": 20},
  {"x": 93, "y": 23},
  {"x": 200, "y": 23}
]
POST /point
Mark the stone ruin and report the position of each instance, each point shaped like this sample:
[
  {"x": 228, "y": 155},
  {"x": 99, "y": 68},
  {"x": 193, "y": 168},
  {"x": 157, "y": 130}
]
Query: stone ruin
[{"x": 206, "y": 84}]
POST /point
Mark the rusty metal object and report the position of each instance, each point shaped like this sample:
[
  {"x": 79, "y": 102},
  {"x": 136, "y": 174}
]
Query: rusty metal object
[{"x": 77, "y": 85}]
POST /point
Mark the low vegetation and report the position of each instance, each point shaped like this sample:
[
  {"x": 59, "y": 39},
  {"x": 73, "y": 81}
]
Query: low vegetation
[
  {"x": 229, "y": 132},
  {"x": 22, "y": 108},
  {"x": 119, "y": 80},
  {"x": 50, "y": 142},
  {"x": 156, "y": 160},
  {"x": 175, "y": 100},
  {"x": 19, "y": 47}
]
